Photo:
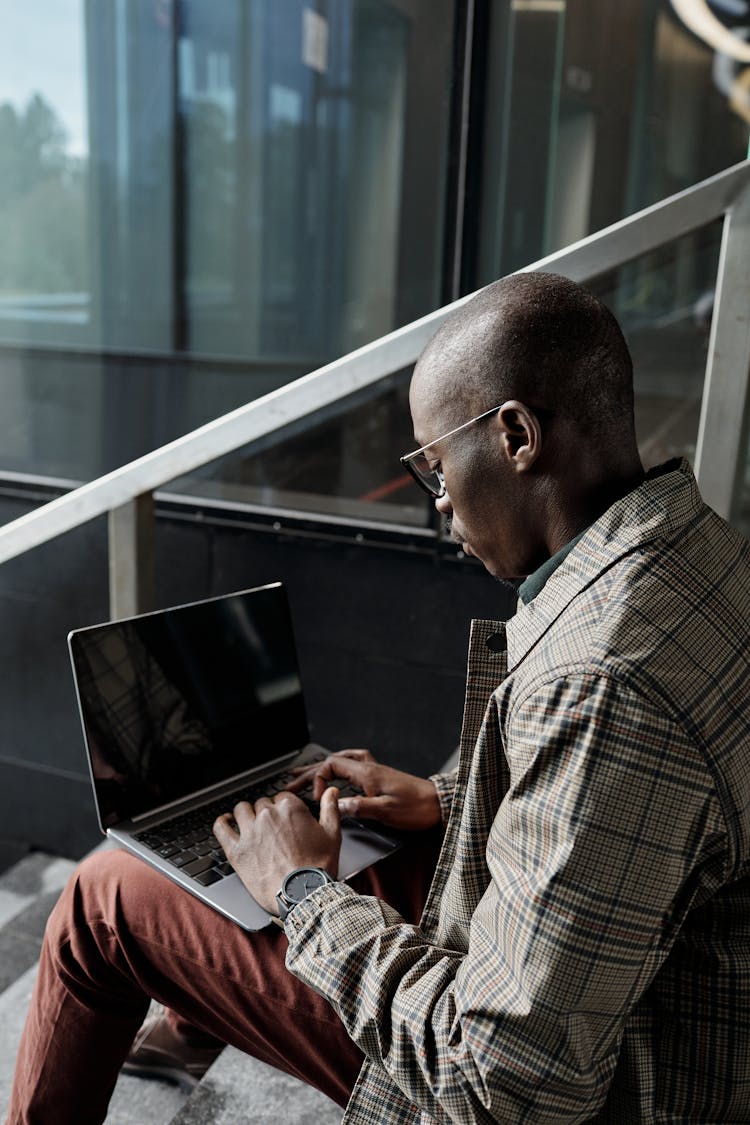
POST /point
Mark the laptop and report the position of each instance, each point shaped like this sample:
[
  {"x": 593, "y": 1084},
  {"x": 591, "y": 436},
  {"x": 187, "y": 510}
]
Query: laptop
[{"x": 185, "y": 712}]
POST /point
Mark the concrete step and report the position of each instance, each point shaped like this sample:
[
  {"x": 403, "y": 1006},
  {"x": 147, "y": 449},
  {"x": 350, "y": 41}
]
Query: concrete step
[
  {"x": 236, "y": 1089},
  {"x": 28, "y": 892},
  {"x": 134, "y": 1101}
]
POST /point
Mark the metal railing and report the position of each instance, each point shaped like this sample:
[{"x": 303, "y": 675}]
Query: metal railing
[{"x": 127, "y": 493}]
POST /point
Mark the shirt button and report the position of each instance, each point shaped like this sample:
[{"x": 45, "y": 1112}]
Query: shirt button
[{"x": 497, "y": 642}]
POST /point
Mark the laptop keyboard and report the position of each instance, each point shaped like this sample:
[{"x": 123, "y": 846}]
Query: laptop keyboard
[{"x": 188, "y": 841}]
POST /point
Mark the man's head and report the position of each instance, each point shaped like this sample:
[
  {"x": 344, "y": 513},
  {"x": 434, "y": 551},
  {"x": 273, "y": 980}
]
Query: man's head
[{"x": 525, "y": 479}]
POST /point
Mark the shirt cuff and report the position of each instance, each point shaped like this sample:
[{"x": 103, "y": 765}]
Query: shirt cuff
[
  {"x": 445, "y": 784},
  {"x": 313, "y": 905}
]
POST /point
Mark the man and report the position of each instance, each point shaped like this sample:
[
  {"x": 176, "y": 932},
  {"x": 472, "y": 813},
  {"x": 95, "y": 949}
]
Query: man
[{"x": 583, "y": 953}]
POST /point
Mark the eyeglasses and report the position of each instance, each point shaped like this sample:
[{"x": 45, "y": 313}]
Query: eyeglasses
[{"x": 432, "y": 480}]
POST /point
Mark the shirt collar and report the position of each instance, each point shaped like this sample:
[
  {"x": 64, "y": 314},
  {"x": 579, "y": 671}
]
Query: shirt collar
[{"x": 659, "y": 507}]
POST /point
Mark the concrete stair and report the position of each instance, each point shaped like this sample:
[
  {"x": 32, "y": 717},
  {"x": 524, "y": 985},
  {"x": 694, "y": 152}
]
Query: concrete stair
[{"x": 235, "y": 1091}]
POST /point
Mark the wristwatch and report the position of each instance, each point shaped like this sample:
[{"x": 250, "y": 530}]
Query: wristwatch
[{"x": 298, "y": 885}]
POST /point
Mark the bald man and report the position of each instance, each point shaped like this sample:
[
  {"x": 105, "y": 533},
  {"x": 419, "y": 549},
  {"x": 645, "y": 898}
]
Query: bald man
[{"x": 580, "y": 948}]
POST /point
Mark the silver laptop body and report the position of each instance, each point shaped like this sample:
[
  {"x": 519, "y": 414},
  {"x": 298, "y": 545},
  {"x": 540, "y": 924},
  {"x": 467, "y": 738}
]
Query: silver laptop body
[{"x": 184, "y": 712}]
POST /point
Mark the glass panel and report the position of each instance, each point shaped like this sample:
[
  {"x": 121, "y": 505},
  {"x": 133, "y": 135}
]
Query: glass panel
[
  {"x": 345, "y": 464},
  {"x": 689, "y": 122},
  {"x": 230, "y": 192},
  {"x": 201, "y": 200},
  {"x": 44, "y": 265},
  {"x": 294, "y": 130},
  {"x": 348, "y": 464},
  {"x": 664, "y": 303},
  {"x": 520, "y": 130},
  {"x": 593, "y": 110}
]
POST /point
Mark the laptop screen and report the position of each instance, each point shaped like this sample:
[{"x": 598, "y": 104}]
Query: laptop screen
[{"x": 175, "y": 701}]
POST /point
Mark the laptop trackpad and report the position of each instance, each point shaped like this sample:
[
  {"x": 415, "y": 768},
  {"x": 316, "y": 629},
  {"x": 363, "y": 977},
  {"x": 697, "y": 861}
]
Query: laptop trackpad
[{"x": 361, "y": 847}]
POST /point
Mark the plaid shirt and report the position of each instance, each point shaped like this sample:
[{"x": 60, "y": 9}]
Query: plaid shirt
[{"x": 585, "y": 951}]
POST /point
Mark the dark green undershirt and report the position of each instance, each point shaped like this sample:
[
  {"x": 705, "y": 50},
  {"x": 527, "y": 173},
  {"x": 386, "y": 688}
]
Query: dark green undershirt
[{"x": 536, "y": 582}]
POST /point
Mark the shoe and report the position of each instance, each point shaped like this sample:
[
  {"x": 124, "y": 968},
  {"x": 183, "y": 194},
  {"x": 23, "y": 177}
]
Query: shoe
[{"x": 159, "y": 1052}]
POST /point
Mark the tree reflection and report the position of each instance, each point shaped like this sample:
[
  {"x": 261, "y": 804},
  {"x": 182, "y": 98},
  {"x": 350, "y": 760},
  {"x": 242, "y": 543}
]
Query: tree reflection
[{"x": 42, "y": 204}]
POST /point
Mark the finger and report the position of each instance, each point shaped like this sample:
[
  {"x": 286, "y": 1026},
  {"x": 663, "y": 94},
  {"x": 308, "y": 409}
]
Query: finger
[
  {"x": 243, "y": 812},
  {"x": 286, "y": 795},
  {"x": 223, "y": 831},
  {"x": 321, "y": 782},
  {"x": 320, "y": 776},
  {"x": 354, "y": 766},
  {"x": 310, "y": 771},
  {"x": 354, "y": 754},
  {"x": 373, "y": 808},
  {"x": 257, "y": 808},
  {"x": 355, "y": 770},
  {"x": 309, "y": 775},
  {"x": 330, "y": 819},
  {"x": 359, "y": 755}
]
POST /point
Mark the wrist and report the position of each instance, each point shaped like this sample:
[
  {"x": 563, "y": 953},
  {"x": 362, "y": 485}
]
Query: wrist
[
  {"x": 298, "y": 885},
  {"x": 430, "y": 804}
]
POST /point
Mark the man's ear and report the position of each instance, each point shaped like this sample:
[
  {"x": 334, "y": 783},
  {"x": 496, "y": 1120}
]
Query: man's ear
[{"x": 521, "y": 434}]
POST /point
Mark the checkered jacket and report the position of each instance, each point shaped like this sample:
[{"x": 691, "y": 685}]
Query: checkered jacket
[{"x": 585, "y": 951}]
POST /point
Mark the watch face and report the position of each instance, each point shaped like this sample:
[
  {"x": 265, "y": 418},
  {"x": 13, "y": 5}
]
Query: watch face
[{"x": 301, "y": 883}]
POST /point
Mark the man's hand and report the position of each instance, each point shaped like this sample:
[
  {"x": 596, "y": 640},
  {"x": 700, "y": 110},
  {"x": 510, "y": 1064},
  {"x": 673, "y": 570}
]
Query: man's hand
[
  {"x": 390, "y": 796},
  {"x": 272, "y": 837}
]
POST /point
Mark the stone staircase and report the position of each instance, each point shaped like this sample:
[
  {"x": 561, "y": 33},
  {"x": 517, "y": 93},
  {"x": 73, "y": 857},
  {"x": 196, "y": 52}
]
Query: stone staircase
[{"x": 235, "y": 1091}]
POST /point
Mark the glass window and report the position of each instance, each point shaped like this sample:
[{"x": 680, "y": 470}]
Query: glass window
[
  {"x": 593, "y": 110},
  {"x": 293, "y": 125},
  {"x": 44, "y": 264},
  {"x": 343, "y": 463},
  {"x": 347, "y": 463},
  {"x": 664, "y": 303},
  {"x": 201, "y": 200}
]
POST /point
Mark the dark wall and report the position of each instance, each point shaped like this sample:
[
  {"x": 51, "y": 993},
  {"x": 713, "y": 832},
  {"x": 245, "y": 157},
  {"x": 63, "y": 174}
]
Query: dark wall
[{"x": 381, "y": 631}]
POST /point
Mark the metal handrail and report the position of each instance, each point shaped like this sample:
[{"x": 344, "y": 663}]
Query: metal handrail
[{"x": 606, "y": 250}]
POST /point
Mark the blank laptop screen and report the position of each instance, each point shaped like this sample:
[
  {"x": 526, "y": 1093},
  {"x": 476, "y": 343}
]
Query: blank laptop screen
[{"x": 175, "y": 701}]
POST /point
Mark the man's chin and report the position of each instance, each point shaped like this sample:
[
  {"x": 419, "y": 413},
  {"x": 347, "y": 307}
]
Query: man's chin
[
  {"x": 465, "y": 547},
  {"x": 494, "y": 572},
  {"x": 459, "y": 540}
]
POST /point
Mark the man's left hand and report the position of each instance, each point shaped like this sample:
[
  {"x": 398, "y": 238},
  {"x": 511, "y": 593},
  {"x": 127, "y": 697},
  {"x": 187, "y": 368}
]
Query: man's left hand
[{"x": 270, "y": 838}]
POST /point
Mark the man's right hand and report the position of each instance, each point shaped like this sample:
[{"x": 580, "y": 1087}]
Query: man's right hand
[{"x": 398, "y": 799}]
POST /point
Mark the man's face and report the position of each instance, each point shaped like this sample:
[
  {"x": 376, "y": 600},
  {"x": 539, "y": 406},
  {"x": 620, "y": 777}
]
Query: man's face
[{"x": 482, "y": 499}]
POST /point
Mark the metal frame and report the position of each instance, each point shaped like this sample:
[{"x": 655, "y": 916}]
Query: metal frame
[
  {"x": 721, "y": 450},
  {"x": 127, "y": 492}
]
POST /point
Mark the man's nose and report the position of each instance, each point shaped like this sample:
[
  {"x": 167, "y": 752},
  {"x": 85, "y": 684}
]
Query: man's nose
[{"x": 443, "y": 504}]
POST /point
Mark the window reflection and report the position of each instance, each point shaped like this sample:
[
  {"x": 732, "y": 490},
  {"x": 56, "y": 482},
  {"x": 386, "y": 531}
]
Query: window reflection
[
  {"x": 44, "y": 268},
  {"x": 293, "y": 126},
  {"x": 201, "y": 200}
]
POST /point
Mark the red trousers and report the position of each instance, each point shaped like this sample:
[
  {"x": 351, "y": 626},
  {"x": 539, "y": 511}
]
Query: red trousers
[{"x": 122, "y": 934}]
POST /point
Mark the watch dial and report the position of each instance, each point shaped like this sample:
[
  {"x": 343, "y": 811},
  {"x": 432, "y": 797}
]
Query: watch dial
[{"x": 301, "y": 884}]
